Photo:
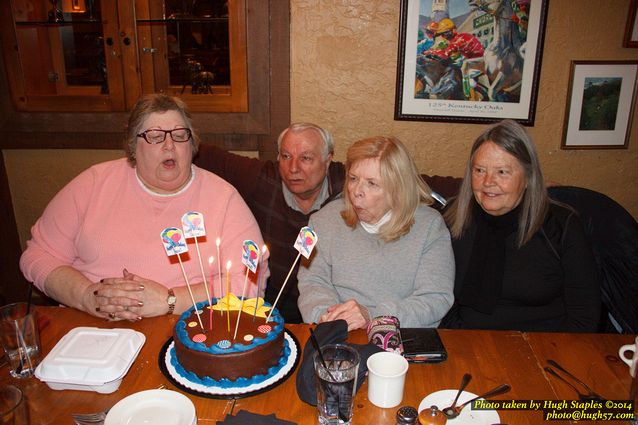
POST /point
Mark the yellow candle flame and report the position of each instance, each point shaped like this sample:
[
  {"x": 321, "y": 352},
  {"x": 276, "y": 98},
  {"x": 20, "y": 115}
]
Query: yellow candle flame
[{"x": 228, "y": 264}]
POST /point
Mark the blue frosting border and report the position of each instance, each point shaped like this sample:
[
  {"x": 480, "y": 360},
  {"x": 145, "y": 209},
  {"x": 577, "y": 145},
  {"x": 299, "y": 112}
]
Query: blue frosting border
[
  {"x": 227, "y": 383},
  {"x": 181, "y": 333}
]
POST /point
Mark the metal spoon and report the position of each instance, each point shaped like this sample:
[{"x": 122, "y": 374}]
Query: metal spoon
[
  {"x": 449, "y": 411},
  {"x": 581, "y": 396},
  {"x": 591, "y": 395},
  {"x": 501, "y": 389}
]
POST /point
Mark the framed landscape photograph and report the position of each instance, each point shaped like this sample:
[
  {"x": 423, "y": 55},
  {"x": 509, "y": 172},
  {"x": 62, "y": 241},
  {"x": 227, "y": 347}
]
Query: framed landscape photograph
[
  {"x": 469, "y": 60},
  {"x": 600, "y": 104}
]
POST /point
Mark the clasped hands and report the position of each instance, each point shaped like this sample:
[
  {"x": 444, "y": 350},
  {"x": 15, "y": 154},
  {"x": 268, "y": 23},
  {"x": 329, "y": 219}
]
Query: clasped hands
[
  {"x": 129, "y": 297},
  {"x": 356, "y": 315}
]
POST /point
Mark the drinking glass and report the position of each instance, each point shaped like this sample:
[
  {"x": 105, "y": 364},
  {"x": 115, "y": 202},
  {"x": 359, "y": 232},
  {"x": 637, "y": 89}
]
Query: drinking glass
[
  {"x": 20, "y": 339},
  {"x": 336, "y": 383},
  {"x": 13, "y": 406}
]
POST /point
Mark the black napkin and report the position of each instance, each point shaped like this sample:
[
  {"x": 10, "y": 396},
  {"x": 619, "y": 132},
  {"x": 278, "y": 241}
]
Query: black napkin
[
  {"x": 335, "y": 332},
  {"x": 244, "y": 417}
]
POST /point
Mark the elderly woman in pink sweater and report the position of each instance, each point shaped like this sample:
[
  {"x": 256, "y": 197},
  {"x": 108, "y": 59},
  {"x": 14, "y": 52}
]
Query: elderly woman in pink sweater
[{"x": 97, "y": 246}]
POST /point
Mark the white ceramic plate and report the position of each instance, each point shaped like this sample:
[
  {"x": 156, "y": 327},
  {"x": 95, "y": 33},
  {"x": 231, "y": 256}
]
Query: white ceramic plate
[
  {"x": 153, "y": 407},
  {"x": 444, "y": 398}
]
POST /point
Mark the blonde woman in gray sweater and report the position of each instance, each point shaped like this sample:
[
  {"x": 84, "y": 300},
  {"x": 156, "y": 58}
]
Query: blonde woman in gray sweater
[{"x": 382, "y": 250}]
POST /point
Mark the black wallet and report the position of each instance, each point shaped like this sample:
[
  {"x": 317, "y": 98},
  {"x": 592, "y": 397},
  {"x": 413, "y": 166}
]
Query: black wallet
[{"x": 422, "y": 345}]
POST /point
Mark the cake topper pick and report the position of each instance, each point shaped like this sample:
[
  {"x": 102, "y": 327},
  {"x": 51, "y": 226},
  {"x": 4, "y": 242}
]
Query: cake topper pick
[
  {"x": 193, "y": 226},
  {"x": 264, "y": 249},
  {"x": 305, "y": 243},
  {"x": 174, "y": 244},
  {"x": 249, "y": 257}
]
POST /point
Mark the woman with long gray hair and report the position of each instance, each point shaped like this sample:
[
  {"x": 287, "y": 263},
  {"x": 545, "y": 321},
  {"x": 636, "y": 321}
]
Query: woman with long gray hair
[{"x": 522, "y": 260}]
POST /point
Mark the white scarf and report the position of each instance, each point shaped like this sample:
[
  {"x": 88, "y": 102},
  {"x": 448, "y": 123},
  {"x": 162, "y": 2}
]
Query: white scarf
[{"x": 374, "y": 228}]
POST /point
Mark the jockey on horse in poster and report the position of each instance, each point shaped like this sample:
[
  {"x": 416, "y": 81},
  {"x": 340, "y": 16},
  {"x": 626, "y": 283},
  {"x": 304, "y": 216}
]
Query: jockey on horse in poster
[{"x": 439, "y": 74}]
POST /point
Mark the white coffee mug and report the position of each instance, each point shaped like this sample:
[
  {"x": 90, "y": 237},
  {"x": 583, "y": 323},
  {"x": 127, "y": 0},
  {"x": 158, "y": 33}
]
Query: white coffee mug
[
  {"x": 386, "y": 377},
  {"x": 632, "y": 361}
]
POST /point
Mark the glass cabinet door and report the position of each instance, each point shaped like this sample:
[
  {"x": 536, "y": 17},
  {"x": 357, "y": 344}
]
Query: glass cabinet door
[
  {"x": 195, "y": 49},
  {"x": 66, "y": 56},
  {"x": 101, "y": 55}
]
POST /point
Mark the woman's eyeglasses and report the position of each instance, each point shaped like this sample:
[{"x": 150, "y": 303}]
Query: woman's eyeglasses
[{"x": 155, "y": 136}]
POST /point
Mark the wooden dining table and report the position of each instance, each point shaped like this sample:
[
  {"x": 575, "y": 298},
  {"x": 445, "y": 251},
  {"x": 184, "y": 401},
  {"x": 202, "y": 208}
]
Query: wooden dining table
[{"x": 492, "y": 357}]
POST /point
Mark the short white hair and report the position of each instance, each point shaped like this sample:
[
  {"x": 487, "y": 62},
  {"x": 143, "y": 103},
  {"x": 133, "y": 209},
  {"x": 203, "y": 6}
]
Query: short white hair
[{"x": 299, "y": 127}]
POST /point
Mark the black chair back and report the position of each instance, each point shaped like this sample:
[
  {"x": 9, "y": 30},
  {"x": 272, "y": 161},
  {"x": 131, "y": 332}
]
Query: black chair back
[{"x": 613, "y": 234}]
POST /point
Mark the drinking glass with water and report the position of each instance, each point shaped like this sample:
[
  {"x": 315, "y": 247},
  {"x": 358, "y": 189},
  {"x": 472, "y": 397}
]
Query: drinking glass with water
[
  {"x": 336, "y": 379},
  {"x": 20, "y": 339}
]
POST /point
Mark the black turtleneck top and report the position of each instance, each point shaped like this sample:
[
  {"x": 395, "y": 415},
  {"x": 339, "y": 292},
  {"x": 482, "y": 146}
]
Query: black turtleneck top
[{"x": 549, "y": 284}]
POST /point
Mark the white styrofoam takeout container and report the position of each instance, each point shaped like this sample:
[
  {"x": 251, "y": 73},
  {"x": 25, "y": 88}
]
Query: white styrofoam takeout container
[{"x": 90, "y": 359}]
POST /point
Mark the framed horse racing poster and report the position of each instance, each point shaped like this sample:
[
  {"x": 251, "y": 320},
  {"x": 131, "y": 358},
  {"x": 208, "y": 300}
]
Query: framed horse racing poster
[{"x": 469, "y": 60}]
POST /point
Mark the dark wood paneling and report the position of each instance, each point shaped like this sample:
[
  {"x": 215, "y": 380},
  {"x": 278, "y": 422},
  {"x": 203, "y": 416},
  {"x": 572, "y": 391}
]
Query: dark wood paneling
[
  {"x": 279, "y": 76},
  {"x": 13, "y": 286},
  {"x": 268, "y": 39}
]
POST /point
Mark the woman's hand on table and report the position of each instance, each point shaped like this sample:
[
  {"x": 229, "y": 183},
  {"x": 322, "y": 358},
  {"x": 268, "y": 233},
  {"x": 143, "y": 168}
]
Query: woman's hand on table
[
  {"x": 130, "y": 297},
  {"x": 356, "y": 315}
]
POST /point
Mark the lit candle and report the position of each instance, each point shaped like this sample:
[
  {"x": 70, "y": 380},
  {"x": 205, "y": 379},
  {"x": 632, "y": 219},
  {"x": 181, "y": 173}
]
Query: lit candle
[
  {"x": 228, "y": 264},
  {"x": 241, "y": 304},
  {"x": 201, "y": 267},
  {"x": 219, "y": 271},
  {"x": 211, "y": 260}
]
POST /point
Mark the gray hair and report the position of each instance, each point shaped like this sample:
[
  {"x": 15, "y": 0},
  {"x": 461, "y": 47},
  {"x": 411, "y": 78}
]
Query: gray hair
[
  {"x": 512, "y": 138},
  {"x": 298, "y": 127},
  {"x": 150, "y": 104}
]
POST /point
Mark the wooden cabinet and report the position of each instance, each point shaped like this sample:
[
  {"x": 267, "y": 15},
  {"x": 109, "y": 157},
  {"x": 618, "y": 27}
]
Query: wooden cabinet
[
  {"x": 101, "y": 55},
  {"x": 247, "y": 113}
]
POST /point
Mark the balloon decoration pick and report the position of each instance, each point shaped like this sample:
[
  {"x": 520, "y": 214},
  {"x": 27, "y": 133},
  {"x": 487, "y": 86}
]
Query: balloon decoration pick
[
  {"x": 264, "y": 249},
  {"x": 249, "y": 257},
  {"x": 219, "y": 270},
  {"x": 211, "y": 260},
  {"x": 305, "y": 243},
  {"x": 228, "y": 264},
  {"x": 193, "y": 226},
  {"x": 174, "y": 244}
]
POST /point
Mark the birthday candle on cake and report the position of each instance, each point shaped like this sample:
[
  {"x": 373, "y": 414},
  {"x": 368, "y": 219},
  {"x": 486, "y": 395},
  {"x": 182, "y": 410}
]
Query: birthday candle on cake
[
  {"x": 193, "y": 226},
  {"x": 249, "y": 256},
  {"x": 264, "y": 249},
  {"x": 212, "y": 294},
  {"x": 174, "y": 244},
  {"x": 228, "y": 264},
  {"x": 305, "y": 243},
  {"x": 219, "y": 271}
]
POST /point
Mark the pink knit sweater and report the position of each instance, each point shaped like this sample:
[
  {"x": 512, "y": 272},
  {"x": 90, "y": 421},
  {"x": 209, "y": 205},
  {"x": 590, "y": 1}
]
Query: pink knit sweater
[{"x": 104, "y": 220}]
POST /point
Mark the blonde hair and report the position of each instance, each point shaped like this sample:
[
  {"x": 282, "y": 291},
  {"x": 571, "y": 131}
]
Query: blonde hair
[
  {"x": 513, "y": 139},
  {"x": 400, "y": 180}
]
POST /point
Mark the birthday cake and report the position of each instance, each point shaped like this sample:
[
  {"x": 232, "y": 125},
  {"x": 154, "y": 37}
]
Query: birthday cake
[{"x": 216, "y": 357}]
